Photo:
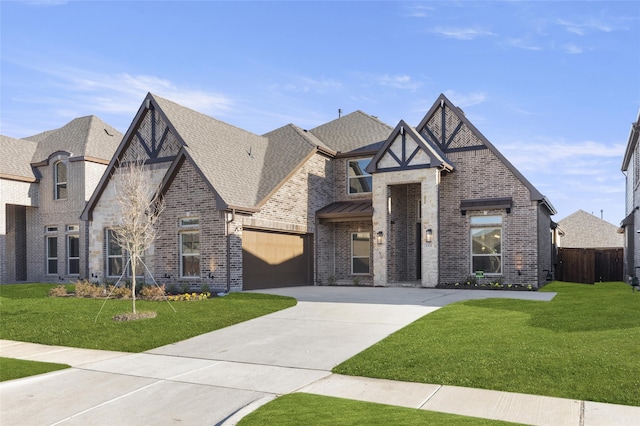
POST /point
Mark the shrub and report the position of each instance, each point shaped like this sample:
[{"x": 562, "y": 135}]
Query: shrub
[
  {"x": 86, "y": 289},
  {"x": 120, "y": 292},
  {"x": 204, "y": 288},
  {"x": 172, "y": 289},
  {"x": 189, "y": 297},
  {"x": 471, "y": 280},
  {"x": 58, "y": 291},
  {"x": 152, "y": 292}
]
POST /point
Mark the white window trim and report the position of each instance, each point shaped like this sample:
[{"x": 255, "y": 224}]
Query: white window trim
[
  {"x": 494, "y": 225},
  {"x": 360, "y": 257},
  {"x": 125, "y": 258},
  {"x": 349, "y": 177},
  {"x": 58, "y": 184},
  {"x": 49, "y": 258},
  {"x": 69, "y": 258},
  {"x": 183, "y": 255}
]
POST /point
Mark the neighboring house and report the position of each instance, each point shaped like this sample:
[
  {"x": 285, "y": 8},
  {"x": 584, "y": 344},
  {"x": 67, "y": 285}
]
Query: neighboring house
[
  {"x": 353, "y": 201},
  {"x": 45, "y": 182},
  {"x": 584, "y": 230},
  {"x": 631, "y": 222}
]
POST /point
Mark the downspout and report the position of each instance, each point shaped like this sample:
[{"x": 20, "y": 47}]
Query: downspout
[{"x": 228, "y": 222}]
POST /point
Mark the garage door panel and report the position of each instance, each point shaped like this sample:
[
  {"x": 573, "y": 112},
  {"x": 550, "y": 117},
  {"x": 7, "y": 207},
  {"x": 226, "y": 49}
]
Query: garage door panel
[{"x": 273, "y": 259}]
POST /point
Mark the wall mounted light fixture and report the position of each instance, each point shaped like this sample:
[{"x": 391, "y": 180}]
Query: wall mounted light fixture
[
  {"x": 379, "y": 237},
  {"x": 429, "y": 237}
]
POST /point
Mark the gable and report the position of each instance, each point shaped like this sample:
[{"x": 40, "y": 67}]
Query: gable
[
  {"x": 449, "y": 130},
  {"x": 406, "y": 149},
  {"x": 446, "y": 126},
  {"x": 152, "y": 139}
]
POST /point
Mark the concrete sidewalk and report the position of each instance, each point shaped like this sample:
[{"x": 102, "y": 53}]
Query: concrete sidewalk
[{"x": 218, "y": 377}]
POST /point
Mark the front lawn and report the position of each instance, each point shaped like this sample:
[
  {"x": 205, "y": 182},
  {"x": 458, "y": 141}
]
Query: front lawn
[
  {"x": 584, "y": 344},
  {"x": 306, "y": 409},
  {"x": 11, "y": 369},
  {"x": 29, "y": 315}
]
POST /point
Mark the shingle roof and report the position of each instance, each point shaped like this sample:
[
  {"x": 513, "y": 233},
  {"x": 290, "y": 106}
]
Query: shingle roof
[
  {"x": 288, "y": 147},
  {"x": 16, "y": 158},
  {"x": 354, "y": 131},
  {"x": 584, "y": 230},
  {"x": 230, "y": 158},
  {"x": 84, "y": 136}
]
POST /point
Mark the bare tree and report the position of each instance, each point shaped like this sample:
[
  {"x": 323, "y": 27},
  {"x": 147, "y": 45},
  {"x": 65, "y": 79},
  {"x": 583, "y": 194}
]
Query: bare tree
[{"x": 140, "y": 205}]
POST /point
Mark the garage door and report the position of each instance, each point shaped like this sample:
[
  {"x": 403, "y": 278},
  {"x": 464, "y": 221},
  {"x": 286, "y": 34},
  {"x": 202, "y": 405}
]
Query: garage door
[{"x": 273, "y": 259}]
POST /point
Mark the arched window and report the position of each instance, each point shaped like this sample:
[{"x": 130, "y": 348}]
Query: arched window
[{"x": 60, "y": 179}]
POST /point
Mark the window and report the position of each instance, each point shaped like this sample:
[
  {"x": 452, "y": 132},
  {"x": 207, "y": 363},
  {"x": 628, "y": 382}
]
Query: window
[
  {"x": 52, "y": 255},
  {"x": 486, "y": 244},
  {"x": 60, "y": 179},
  {"x": 190, "y": 254},
  {"x": 360, "y": 251},
  {"x": 189, "y": 247},
  {"x": 73, "y": 254},
  {"x": 359, "y": 180},
  {"x": 115, "y": 255}
]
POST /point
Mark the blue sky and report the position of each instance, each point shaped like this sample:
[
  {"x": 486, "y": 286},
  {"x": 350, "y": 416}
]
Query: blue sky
[{"x": 554, "y": 85}]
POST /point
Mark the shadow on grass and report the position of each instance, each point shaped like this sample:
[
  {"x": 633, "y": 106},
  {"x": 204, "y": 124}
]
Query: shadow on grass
[{"x": 577, "y": 307}]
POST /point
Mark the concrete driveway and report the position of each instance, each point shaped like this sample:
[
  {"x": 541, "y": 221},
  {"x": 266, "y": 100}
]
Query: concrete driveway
[{"x": 208, "y": 378}]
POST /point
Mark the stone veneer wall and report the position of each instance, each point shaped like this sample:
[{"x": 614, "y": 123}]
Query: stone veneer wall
[
  {"x": 12, "y": 194},
  {"x": 480, "y": 174},
  {"x": 106, "y": 214}
]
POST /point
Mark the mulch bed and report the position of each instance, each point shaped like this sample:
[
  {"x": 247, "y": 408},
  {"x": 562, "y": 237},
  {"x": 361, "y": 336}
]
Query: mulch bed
[{"x": 134, "y": 317}]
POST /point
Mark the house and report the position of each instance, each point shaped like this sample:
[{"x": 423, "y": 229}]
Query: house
[
  {"x": 45, "y": 182},
  {"x": 584, "y": 230},
  {"x": 631, "y": 222},
  {"x": 352, "y": 201}
]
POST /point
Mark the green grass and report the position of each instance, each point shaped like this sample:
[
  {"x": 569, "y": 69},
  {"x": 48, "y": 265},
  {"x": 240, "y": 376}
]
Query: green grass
[
  {"x": 584, "y": 344},
  {"x": 305, "y": 409},
  {"x": 29, "y": 315},
  {"x": 11, "y": 369}
]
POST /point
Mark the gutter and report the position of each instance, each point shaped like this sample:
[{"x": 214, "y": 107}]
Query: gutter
[{"x": 228, "y": 222}]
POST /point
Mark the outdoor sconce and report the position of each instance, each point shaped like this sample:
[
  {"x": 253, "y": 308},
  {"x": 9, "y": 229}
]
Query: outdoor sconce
[
  {"x": 210, "y": 274},
  {"x": 166, "y": 276},
  {"x": 379, "y": 236},
  {"x": 429, "y": 238}
]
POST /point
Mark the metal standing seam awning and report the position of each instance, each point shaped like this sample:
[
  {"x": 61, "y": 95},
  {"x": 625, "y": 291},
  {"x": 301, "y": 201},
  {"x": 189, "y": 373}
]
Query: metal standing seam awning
[
  {"x": 486, "y": 204},
  {"x": 345, "y": 211}
]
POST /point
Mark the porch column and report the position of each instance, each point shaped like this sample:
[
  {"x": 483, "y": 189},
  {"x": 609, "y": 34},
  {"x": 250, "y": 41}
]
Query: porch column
[
  {"x": 429, "y": 201},
  {"x": 379, "y": 220},
  {"x": 429, "y": 179}
]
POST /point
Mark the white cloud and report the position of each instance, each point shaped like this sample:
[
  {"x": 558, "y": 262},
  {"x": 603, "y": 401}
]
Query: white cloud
[
  {"x": 583, "y": 27},
  {"x": 523, "y": 44},
  {"x": 398, "y": 82},
  {"x": 464, "y": 100},
  {"x": 419, "y": 11},
  {"x": 307, "y": 84},
  {"x": 572, "y": 48},
  {"x": 468, "y": 33}
]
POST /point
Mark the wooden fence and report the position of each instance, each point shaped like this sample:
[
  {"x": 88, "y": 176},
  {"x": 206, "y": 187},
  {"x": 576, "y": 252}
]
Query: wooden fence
[{"x": 580, "y": 265}]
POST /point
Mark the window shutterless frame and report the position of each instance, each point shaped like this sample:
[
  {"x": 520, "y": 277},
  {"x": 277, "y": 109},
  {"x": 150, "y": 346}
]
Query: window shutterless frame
[
  {"x": 486, "y": 244},
  {"x": 360, "y": 253},
  {"x": 358, "y": 180}
]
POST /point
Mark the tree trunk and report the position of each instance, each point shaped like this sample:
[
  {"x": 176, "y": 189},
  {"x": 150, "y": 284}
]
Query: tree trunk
[{"x": 134, "y": 262}]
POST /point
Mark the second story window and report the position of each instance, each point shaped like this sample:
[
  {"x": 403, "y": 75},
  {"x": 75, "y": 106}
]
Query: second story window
[
  {"x": 60, "y": 180},
  {"x": 359, "y": 181}
]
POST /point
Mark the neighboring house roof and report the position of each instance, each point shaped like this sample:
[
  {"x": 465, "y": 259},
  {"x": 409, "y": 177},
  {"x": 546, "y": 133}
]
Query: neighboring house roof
[
  {"x": 353, "y": 132},
  {"x": 17, "y": 155},
  {"x": 584, "y": 230},
  {"x": 87, "y": 137},
  {"x": 631, "y": 143}
]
